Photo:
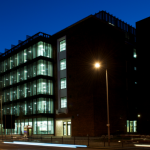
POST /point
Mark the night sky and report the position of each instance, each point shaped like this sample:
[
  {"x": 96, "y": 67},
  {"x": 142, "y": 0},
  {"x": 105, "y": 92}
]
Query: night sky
[{"x": 19, "y": 18}]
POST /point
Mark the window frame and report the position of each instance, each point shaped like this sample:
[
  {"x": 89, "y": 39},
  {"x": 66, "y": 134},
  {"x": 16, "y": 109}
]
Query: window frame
[
  {"x": 64, "y": 104},
  {"x": 63, "y": 48},
  {"x": 65, "y": 84},
  {"x": 63, "y": 68}
]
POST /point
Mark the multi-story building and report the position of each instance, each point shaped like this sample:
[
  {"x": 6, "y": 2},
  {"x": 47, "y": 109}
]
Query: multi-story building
[
  {"x": 51, "y": 84},
  {"x": 26, "y": 73}
]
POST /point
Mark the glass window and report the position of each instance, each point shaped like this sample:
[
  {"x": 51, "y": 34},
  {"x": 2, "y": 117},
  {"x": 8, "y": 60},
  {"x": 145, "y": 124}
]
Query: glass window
[
  {"x": 50, "y": 126},
  {"x": 44, "y": 105},
  {"x": 34, "y": 50},
  {"x": 25, "y": 55},
  {"x": 49, "y": 53},
  {"x": 14, "y": 93},
  {"x": 40, "y": 49},
  {"x": 34, "y": 126},
  {"x": 69, "y": 128},
  {"x": 41, "y": 105},
  {"x": 44, "y": 87},
  {"x": 34, "y": 69},
  {"x": 21, "y": 74},
  {"x": 34, "y": 106},
  {"x": 50, "y": 69},
  {"x": 29, "y": 53},
  {"x": 29, "y": 89},
  {"x": 41, "y": 67},
  {"x": 42, "y": 125},
  {"x": 13, "y": 77},
  {"x": 134, "y": 53},
  {"x": 63, "y": 102},
  {"x": 20, "y": 57},
  {"x": 25, "y": 107},
  {"x": 135, "y": 82},
  {"x": 131, "y": 126},
  {"x": 22, "y": 126},
  {"x": 135, "y": 68},
  {"x": 64, "y": 128},
  {"x": 29, "y": 71},
  {"x": 44, "y": 49},
  {"x": 22, "y": 109},
  {"x": 7, "y": 79},
  {"x": 25, "y": 72},
  {"x": 18, "y": 75},
  {"x": 29, "y": 107},
  {"x": 135, "y": 126},
  {"x": 63, "y": 83},
  {"x": 11, "y": 94},
  {"x": 15, "y": 130},
  {"x": 62, "y": 45},
  {"x": 63, "y": 64},
  {"x": 1, "y": 67},
  {"x": 34, "y": 87}
]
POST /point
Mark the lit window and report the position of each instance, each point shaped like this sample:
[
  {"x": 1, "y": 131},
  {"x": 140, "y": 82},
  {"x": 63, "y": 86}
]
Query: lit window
[
  {"x": 135, "y": 68},
  {"x": 127, "y": 125},
  {"x": 63, "y": 102},
  {"x": 131, "y": 126},
  {"x": 63, "y": 83},
  {"x": 134, "y": 53},
  {"x": 135, "y": 126},
  {"x": 135, "y": 82},
  {"x": 63, "y": 64},
  {"x": 62, "y": 45},
  {"x": 139, "y": 115}
]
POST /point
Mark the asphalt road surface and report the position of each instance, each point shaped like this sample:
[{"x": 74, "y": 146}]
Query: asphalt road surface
[{"x": 5, "y": 146}]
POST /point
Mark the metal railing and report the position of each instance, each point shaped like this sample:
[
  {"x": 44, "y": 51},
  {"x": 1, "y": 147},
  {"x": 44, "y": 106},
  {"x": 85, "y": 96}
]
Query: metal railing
[
  {"x": 39, "y": 34},
  {"x": 103, "y": 15},
  {"x": 115, "y": 141}
]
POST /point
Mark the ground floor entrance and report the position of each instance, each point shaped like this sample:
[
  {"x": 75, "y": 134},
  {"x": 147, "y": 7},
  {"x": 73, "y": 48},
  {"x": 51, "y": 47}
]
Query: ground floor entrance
[{"x": 63, "y": 127}]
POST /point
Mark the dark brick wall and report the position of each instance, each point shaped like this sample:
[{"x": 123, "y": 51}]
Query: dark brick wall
[{"x": 88, "y": 42}]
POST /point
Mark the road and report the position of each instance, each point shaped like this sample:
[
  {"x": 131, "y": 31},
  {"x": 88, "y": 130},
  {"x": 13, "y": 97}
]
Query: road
[{"x": 6, "y": 146}]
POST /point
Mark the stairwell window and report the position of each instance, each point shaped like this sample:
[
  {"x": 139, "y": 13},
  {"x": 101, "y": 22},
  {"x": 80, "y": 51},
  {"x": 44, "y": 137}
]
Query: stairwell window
[
  {"x": 62, "y": 45},
  {"x": 63, "y": 64},
  {"x": 134, "y": 53},
  {"x": 135, "y": 68},
  {"x": 63, "y": 102},
  {"x": 63, "y": 83}
]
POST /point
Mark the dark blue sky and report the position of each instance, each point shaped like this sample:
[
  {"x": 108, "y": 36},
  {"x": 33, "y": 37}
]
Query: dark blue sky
[{"x": 19, "y": 18}]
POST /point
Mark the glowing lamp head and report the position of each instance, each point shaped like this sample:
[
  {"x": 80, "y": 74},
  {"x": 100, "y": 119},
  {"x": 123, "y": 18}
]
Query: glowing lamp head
[{"x": 97, "y": 65}]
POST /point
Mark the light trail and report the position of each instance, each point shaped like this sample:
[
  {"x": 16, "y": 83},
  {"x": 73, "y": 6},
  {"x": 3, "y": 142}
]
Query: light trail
[
  {"x": 46, "y": 144},
  {"x": 141, "y": 145}
]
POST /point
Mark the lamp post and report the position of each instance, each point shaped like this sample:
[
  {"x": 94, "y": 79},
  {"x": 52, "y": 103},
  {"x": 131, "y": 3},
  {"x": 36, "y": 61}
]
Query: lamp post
[{"x": 97, "y": 65}]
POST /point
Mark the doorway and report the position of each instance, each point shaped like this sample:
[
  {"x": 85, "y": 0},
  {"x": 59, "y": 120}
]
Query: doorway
[
  {"x": 69, "y": 128},
  {"x": 29, "y": 132}
]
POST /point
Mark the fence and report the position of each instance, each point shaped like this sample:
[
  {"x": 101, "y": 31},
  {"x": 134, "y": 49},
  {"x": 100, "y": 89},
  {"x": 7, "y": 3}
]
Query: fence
[{"x": 115, "y": 141}]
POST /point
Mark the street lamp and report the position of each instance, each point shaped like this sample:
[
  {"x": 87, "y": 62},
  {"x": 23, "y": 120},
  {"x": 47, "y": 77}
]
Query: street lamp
[{"x": 97, "y": 65}]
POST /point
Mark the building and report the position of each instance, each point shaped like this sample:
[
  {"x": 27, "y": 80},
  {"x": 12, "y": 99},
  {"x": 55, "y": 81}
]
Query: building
[
  {"x": 51, "y": 84},
  {"x": 27, "y": 85}
]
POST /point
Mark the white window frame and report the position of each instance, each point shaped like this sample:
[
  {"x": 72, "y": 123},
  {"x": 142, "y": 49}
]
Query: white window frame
[
  {"x": 63, "y": 83},
  {"x": 63, "y": 64},
  {"x": 63, "y": 102},
  {"x": 62, "y": 45}
]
